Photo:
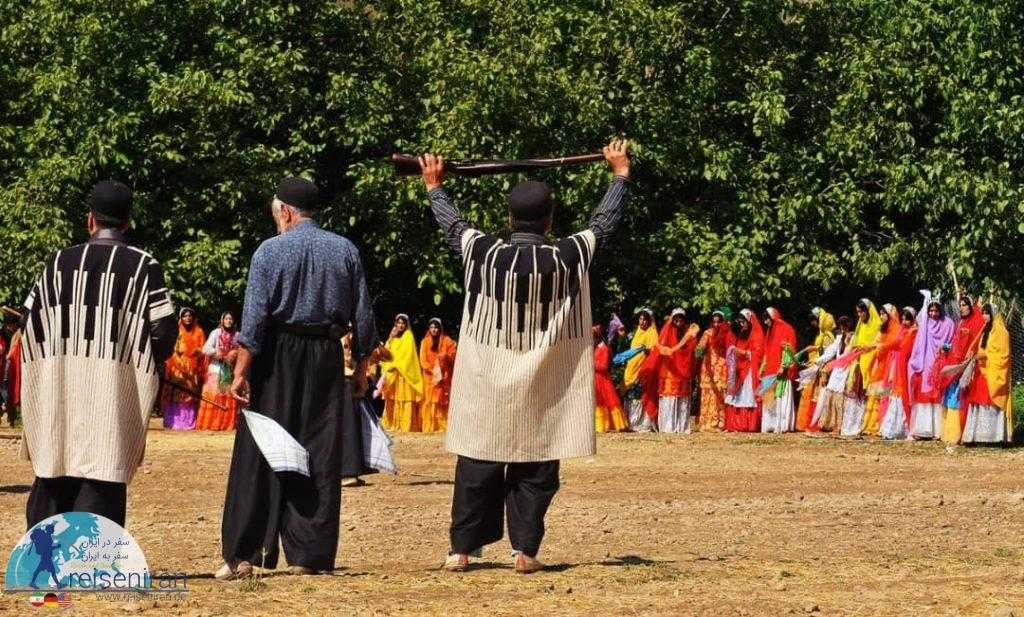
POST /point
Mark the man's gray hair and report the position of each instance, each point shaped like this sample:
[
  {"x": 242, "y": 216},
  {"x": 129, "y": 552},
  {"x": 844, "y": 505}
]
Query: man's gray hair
[{"x": 277, "y": 203}]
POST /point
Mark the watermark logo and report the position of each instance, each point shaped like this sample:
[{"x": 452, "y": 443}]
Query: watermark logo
[{"x": 77, "y": 551}]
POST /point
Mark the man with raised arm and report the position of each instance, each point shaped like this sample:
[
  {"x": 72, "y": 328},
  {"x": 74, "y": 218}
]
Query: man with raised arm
[{"x": 523, "y": 389}]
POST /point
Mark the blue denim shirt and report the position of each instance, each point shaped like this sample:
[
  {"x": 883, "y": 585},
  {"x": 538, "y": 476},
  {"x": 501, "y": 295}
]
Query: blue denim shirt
[{"x": 307, "y": 276}]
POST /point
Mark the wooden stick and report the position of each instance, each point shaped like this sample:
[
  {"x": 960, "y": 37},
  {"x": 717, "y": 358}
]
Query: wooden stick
[
  {"x": 407, "y": 165},
  {"x": 11, "y": 311}
]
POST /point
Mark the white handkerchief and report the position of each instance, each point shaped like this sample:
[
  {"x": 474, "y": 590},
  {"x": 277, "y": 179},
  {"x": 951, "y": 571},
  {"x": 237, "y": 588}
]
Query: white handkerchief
[
  {"x": 282, "y": 451},
  {"x": 376, "y": 442}
]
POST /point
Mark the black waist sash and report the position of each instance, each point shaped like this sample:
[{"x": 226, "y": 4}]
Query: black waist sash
[{"x": 332, "y": 331}]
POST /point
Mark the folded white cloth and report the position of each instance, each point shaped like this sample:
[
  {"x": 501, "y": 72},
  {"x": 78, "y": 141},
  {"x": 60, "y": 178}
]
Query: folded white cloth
[
  {"x": 282, "y": 451},
  {"x": 376, "y": 442}
]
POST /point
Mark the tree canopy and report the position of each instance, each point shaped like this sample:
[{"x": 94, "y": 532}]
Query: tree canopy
[{"x": 797, "y": 151}]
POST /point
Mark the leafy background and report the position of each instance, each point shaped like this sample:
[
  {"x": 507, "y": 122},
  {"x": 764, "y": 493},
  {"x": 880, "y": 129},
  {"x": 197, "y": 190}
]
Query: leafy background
[{"x": 795, "y": 152}]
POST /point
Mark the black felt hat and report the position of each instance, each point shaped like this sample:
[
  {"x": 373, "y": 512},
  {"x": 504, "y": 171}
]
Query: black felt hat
[
  {"x": 530, "y": 201},
  {"x": 110, "y": 202},
  {"x": 299, "y": 193}
]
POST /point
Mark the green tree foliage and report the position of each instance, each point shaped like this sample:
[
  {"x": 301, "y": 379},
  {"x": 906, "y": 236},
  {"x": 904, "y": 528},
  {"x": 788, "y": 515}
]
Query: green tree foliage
[{"x": 790, "y": 150}]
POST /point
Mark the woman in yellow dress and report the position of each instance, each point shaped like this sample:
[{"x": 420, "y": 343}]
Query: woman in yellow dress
[
  {"x": 865, "y": 336},
  {"x": 645, "y": 338},
  {"x": 403, "y": 380},
  {"x": 437, "y": 359},
  {"x": 825, "y": 324}
]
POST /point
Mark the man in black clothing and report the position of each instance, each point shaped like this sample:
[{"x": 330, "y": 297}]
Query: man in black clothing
[{"x": 305, "y": 286}]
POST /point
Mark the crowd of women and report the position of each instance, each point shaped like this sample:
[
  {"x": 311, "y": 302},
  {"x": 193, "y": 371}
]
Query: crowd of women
[
  {"x": 894, "y": 373},
  {"x": 197, "y": 376},
  {"x": 413, "y": 384}
]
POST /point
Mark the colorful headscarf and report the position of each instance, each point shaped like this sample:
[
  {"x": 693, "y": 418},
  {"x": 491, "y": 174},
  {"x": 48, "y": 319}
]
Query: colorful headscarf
[
  {"x": 866, "y": 333},
  {"x": 226, "y": 340},
  {"x": 645, "y": 339},
  {"x": 967, "y": 335},
  {"x": 826, "y": 332},
  {"x": 613, "y": 328},
  {"x": 719, "y": 338},
  {"x": 754, "y": 344},
  {"x": 781, "y": 335},
  {"x": 404, "y": 361},
  {"x": 932, "y": 336}
]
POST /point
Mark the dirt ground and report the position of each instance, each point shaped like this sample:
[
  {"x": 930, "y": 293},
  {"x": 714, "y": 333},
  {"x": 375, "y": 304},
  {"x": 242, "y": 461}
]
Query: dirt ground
[{"x": 708, "y": 524}]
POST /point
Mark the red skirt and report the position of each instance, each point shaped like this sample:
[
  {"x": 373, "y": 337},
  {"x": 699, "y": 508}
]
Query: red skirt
[
  {"x": 604, "y": 392},
  {"x": 742, "y": 419}
]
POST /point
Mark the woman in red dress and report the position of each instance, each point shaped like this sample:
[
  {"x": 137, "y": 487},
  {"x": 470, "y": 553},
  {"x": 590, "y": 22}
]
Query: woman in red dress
[
  {"x": 777, "y": 412},
  {"x": 608, "y": 414},
  {"x": 964, "y": 345},
  {"x": 743, "y": 410}
]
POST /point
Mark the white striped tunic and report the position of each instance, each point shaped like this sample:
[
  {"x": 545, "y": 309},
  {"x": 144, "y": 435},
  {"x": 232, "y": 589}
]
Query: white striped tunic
[
  {"x": 89, "y": 373},
  {"x": 523, "y": 383}
]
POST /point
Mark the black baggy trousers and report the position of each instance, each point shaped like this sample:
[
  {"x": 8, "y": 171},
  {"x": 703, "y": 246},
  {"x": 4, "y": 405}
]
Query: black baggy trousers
[
  {"x": 50, "y": 496},
  {"x": 484, "y": 490},
  {"x": 299, "y": 382}
]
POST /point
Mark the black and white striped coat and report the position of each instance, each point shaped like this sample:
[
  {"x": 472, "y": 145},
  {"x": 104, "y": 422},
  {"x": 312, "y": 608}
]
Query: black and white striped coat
[
  {"x": 98, "y": 323},
  {"x": 523, "y": 383}
]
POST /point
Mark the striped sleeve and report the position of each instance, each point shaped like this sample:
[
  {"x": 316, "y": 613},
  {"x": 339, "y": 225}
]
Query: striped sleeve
[
  {"x": 159, "y": 304},
  {"x": 30, "y": 303},
  {"x": 163, "y": 327},
  {"x": 609, "y": 212},
  {"x": 449, "y": 219}
]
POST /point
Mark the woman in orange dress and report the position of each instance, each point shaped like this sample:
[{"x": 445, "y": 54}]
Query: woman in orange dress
[
  {"x": 889, "y": 338},
  {"x": 437, "y": 359},
  {"x": 218, "y": 409},
  {"x": 184, "y": 371},
  {"x": 609, "y": 417},
  {"x": 669, "y": 371},
  {"x": 895, "y": 403},
  {"x": 713, "y": 370}
]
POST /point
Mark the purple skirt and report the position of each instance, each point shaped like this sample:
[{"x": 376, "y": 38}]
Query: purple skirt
[{"x": 180, "y": 415}]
